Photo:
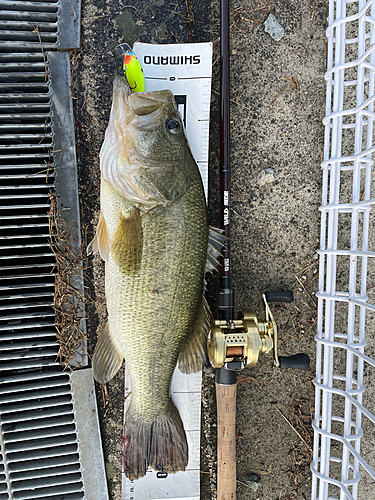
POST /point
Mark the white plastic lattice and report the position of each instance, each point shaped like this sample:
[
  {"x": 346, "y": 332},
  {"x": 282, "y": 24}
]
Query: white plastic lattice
[{"x": 344, "y": 456}]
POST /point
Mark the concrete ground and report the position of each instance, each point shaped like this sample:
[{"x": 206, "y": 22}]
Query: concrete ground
[{"x": 278, "y": 103}]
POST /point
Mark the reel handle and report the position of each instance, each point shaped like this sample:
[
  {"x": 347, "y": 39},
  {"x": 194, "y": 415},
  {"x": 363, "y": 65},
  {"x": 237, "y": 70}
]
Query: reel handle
[{"x": 300, "y": 361}]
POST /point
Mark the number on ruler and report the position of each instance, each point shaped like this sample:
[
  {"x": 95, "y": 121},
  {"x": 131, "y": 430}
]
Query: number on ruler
[{"x": 181, "y": 101}]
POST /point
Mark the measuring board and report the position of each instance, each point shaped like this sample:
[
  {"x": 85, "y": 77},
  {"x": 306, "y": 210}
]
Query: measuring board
[{"x": 185, "y": 69}]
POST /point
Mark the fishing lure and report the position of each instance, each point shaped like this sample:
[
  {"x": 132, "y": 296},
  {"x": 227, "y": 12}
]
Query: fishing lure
[{"x": 132, "y": 68}]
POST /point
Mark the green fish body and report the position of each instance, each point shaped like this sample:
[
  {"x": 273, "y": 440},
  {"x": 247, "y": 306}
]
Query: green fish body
[{"x": 154, "y": 236}]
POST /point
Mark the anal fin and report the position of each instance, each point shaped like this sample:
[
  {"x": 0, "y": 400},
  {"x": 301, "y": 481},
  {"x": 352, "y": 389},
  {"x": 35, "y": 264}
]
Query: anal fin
[
  {"x": 100, "y": 242},
  {"x": 128, "y": 243},
  {"x": 194, "y": 352},
  {"x": 106, "y": 361}
]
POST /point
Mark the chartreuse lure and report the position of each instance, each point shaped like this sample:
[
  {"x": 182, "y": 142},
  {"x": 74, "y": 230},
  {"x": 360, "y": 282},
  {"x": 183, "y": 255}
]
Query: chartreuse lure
[{"x": 132, "y": 68}]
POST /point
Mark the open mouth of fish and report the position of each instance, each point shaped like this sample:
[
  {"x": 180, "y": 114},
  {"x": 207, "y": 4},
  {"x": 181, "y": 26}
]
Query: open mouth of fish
[{"x": 127, "y": 157}]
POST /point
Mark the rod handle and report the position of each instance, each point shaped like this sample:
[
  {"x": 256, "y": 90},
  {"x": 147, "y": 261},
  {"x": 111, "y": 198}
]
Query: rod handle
[
  {"x": 226, "y": 441},
  {"x": 300, "y": 361}
]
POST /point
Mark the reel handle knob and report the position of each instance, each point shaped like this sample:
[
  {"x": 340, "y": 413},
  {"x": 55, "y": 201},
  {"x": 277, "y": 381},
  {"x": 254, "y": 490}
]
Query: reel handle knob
[
  {"x": 300, "y": 361},
  {"x": 285, "y": 296}
]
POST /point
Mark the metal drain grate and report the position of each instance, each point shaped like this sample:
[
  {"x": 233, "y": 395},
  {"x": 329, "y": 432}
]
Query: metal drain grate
[
  {"x": 40, "y": 436},
  {"x": 42, "y": 408},
  {"x": 27, "y": 286}
]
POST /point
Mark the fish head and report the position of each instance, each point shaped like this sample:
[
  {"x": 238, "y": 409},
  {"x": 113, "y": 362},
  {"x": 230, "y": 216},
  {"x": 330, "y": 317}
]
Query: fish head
[{"x": 147, "y": 156}]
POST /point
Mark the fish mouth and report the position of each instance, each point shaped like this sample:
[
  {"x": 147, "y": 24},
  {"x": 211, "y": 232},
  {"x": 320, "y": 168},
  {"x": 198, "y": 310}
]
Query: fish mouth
[
  {"x": 142, "y": 109},
  {"x": 126, "y": 157},
  {"x": 145, "y": 103}
]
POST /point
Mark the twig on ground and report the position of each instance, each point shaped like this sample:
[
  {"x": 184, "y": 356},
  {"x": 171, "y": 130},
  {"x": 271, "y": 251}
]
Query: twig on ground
[
  {"x": 295, "y": 430},
  {"x": 36, "y": 30}
]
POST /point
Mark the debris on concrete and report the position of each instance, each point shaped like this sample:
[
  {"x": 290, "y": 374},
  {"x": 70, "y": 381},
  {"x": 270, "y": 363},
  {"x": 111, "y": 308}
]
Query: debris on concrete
[
  {"x": 274, "y": 28},
  {"x": 266, "y": 176},
  {"x": 252, "y": 480}
]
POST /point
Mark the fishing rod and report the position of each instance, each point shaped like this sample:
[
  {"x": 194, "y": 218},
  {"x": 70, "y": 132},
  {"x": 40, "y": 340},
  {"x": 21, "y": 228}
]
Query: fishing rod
[
  {"x": 235, "y": 344},
  {"x": 225, "y": 379}
]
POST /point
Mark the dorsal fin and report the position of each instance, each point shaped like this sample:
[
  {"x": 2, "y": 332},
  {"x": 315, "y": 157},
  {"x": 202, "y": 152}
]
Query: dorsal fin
[{"x": 216, "y": 242}]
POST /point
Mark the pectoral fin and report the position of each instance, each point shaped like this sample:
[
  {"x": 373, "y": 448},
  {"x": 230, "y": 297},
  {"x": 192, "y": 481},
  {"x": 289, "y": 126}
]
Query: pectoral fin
[
  {"x": 194, "y": 352},
  {"x": 127, "y": 243},
  {"x": 100, "y": 242},
  {"x": 106, "y": 361}
]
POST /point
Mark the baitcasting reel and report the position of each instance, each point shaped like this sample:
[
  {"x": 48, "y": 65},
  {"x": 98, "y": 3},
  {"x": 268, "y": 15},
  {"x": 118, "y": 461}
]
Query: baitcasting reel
[{"x": 238, "y": 343}]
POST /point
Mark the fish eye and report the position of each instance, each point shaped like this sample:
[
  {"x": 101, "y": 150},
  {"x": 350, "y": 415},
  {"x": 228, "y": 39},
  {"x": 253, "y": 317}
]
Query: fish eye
[{"x": 173, "y": 126}]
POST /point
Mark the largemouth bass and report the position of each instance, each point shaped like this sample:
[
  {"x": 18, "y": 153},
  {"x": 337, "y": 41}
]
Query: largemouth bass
[{"x": 154, "y": 237}]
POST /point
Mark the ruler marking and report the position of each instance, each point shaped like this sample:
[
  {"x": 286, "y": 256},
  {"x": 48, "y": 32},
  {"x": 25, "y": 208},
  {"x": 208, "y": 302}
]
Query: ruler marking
[{"x": 194, "y": 78}]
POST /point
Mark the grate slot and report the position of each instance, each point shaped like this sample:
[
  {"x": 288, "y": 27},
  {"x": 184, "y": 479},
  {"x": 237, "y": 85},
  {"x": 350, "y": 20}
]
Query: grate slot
[
  {"x": 42, "y": 454},
  {"x": 39, "y": 314},
  {"x": 15, "y": 236},
  {"x": 26, "y": 226},
  {"x": 51, "y": 481},
  {"x": 27, "y": 285},
  {"x": 15, "y": 197},
  {"x": 28, "y": 25},
  {"x": 24, "y": 216},
  {"x": 28, "y": 305},
  {"x": 28, "y": 89},
  {"x": 47, "y": 472},
  {"x": 28, "y": 35},
  {"x": 28, "y": 247},
  {"x": 67, "y": 496},
  {"x": 39, "y": 434},
  {"x": 29, "y": 6},
  {"x": 45, "y": 443},
  {"x": 26, "y": 146},
  {"x": 19, "y": 127},
  {"x": 24, "y": 116},
  {"x": 21, "y": 137},
  {"x": 24, "y": 335},
  {"x": 38, "y": 106},
  {"x": 34, "y": 325},
  {"x": 28, "y": 16},
  {"x": 47, "y": 392},
  {"x": 27, "y": 354},
  {"x": 48, "y": 401},
  {"x": 45, "y": 424},
  {"x": 34, "y": 381},
  {"x": 28, "y": 417},
  {"x": 33, "y": 364},
  {"x": 16, "y": 45},
  {"x": 64, "y": 489},
  {"x": 26, "y": 296},
  {"x": 35, "y": 344},
  {"x": 44, "y": 463},
  {"x": 30, "y": 256},
  {"x": 25, "y": 207}
]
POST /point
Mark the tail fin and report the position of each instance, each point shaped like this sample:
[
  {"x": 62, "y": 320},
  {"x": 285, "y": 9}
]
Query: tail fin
[{"x": 160, "y": 444}]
